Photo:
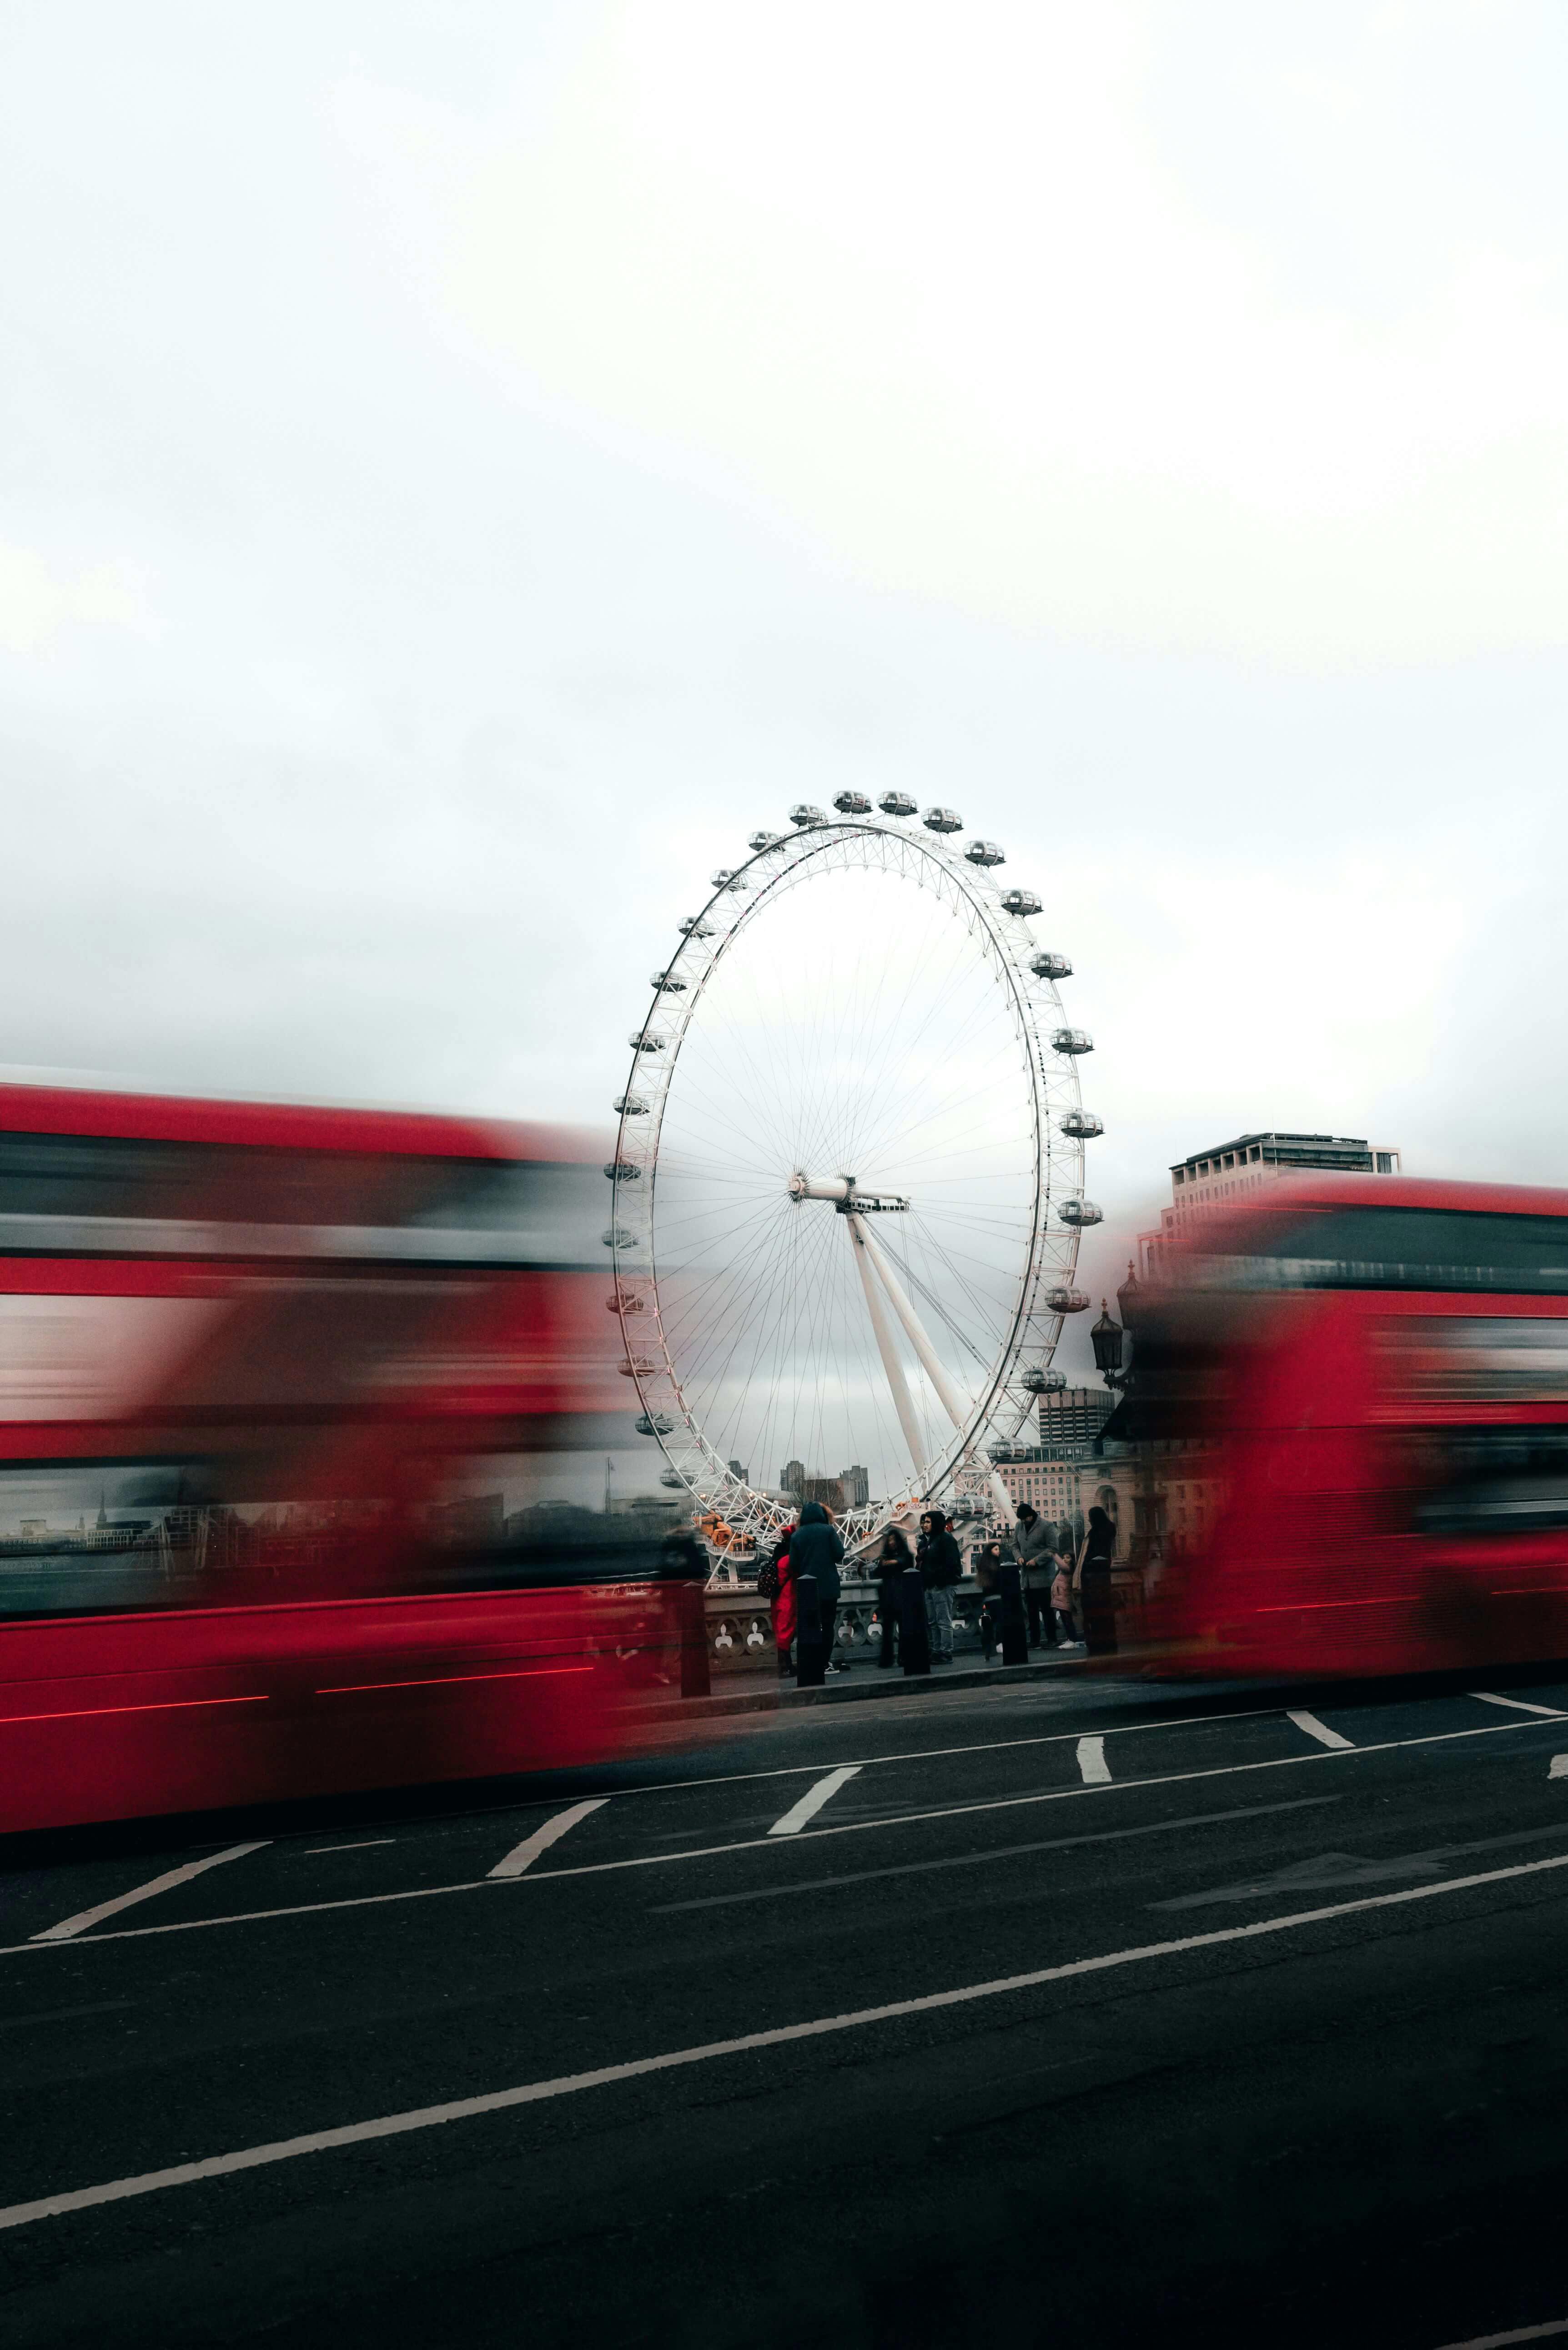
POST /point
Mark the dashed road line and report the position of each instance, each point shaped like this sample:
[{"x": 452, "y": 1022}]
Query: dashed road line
[
  {"x": 1094, "y": 1770},
  {"x": 1319, "y": 1729},
  {"x": 756, "y": 1844},
  {"x": 1549, "y": 1713},
  {"x": 812, "y": 1802},
  {"x": 69, "y": 1927},
  {"x": 288, "y": 2149},
  {"x": 979, "y": 1860},
  {"x": 1559, "y": 1767},
  {"x": 363, "y": 1845},
  {"x": 523, "y": 1856}
]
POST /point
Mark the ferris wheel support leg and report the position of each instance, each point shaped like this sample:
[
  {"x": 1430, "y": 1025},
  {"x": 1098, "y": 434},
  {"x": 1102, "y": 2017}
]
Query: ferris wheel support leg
[
  {"x": 902, "y": 1401},
  {"x": 952, "y": 1402}
]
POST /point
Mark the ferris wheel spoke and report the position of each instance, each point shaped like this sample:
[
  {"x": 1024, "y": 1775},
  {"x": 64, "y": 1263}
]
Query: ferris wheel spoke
[
  {"x": 761, "y": 1296},
  {"x": 955, "y": 1047},
  {"x": 842, "y": 1022}
]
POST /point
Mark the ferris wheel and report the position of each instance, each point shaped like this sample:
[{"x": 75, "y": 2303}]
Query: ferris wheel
[{"x": 849, "y": 1177}]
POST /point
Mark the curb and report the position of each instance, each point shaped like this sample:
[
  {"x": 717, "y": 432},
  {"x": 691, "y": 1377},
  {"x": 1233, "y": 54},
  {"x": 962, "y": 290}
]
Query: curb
[{"x": 885, "y": 1685}]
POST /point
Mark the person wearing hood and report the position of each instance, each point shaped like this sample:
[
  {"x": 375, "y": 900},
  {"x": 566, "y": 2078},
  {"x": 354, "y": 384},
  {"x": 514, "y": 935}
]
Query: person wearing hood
[
  {"x": 816, "y": 1549},
  {"x": 941, "y": 1562}
]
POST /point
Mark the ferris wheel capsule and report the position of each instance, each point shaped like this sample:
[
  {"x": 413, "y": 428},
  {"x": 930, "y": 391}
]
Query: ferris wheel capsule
[
  {"x": 726, "y": 878},
  {"x": 1082, "y": 1124},
  {"x": 852, "y": 803},
  {"x": 984, "y": 852},
  {"x": 1072, "y": 1040},
  {"x": 625, "y": 1301},
  {"x": 1039, "y": 1382},
  {"x": 695, "y": 927},
  {"x": 899, "y": 804},
  {"x": 1046, "y": 965},
  {"x": 636, "y": 1367},
  {"x": 623, "y": 1171},
  {"x": 647, "y": 1040},
  {"x": 668, "y": 983},
  {"x": 1020, "y": 901},
  {"x": 1080, "y": 1213},
  {"x": 617, "y": 1237},
  {"x": 653, "y": 1423},
  {"x": 671, "y": 1480},
  {"x": 943, "y": 819},
  {"x": 1064, "y": 1300},
  {"x": 630, "y": 1105},
  {"x": 761, "y": 840},
  {"x": 804, "y": 814}
]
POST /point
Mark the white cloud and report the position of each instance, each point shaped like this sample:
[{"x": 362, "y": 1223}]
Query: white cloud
[
  {"x": 929, "y": 288},
  {"x": 39, "y": 599}
]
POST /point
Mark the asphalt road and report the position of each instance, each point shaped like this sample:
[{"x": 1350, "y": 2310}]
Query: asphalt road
[{"x": 1056, "y": 2014}]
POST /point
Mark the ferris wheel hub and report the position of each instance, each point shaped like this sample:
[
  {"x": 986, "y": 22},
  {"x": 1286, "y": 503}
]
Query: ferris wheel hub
[{"x": 844, "y": 1193}]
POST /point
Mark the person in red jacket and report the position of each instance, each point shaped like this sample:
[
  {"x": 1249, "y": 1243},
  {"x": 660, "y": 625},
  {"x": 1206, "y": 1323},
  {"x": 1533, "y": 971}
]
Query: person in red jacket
[{"x": 783, "y": 1603}]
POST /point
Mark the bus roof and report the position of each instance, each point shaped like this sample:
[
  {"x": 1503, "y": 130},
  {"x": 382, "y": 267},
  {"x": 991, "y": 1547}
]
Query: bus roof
[
  {"x": 1326, "y": 1190},
  {"x": 289, "y": 1126}
]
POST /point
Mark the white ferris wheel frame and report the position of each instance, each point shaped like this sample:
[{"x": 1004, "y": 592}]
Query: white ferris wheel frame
[{"x": 987, "y": 1428}]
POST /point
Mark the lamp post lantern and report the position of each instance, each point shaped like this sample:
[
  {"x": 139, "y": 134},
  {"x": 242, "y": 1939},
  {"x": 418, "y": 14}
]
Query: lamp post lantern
[{"x": 1106, "y": 1337}]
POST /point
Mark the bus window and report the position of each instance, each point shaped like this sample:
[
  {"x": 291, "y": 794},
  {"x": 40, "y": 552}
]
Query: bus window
[{"x": 1370, "y": 1247}]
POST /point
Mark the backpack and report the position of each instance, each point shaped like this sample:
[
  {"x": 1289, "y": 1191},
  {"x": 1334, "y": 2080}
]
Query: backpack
[{"x": 768, "y": 1580}]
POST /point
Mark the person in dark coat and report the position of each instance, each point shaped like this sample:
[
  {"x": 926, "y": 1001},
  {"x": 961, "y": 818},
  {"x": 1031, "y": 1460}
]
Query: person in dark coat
[
  {"x": 941, "y": 1562},
  {"x": 987, "y": 1574},
  {"x": 1092, "y": 1585},
  {"x": 816, "y": 1549},
  {"x": 1035, "y": 1545},
  {"x": 891, "y": 1560}
]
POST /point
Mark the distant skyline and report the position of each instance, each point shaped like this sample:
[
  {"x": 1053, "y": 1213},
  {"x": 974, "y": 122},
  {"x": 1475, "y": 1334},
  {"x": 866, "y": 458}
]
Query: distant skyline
[{"x": 463, "y": 470}]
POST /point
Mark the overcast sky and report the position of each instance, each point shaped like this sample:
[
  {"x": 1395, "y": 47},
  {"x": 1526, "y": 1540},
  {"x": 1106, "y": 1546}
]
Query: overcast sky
[{"x": 464, "y": 466}]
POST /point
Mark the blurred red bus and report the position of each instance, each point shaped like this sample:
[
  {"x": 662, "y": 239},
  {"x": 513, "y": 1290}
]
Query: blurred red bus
[
  {"x": 1356, "y": 1400},
  {"x": 276, "y": 1386}
]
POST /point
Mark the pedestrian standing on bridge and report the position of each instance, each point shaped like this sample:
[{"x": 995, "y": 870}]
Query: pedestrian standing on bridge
[
  {"x": 892, "y": 1559},
  {"x": 1037, "y": 1547},
  {"x": 776, "y": 1587},
  {"x": 1092, "y": 1585},
  {"x": 816, "y": 1549},
  {"x": 1068, "y": 1640},
  {"x": 988, "y": 1574},
  {"x": 941, "y": 1562}
]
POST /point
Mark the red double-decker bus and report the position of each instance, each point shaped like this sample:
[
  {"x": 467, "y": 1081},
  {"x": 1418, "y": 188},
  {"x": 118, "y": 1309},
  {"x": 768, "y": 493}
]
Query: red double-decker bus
[
  {"x": 1356, "y": 1398},
  {"x": 281, "y": 1390}
]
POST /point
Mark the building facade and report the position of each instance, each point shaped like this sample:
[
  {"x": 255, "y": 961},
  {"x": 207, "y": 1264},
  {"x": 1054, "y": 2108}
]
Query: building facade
[
  {"x": 1071, "y": 1419},
  {"x": 1239, "y": 1169}
]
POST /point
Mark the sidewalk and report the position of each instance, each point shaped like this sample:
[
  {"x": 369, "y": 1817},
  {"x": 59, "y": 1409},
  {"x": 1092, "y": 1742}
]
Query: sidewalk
[{"x": 862, "y": 1681}]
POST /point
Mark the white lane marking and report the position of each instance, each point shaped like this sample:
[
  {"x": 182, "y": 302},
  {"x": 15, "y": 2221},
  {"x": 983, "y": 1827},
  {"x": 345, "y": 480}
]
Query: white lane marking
[
  {"x": 757, "y": 1843},
  {"x": 812, "y": 1802},
  {"x": 996, "y": 1852},
  {"x": 1559, "y": 1768},
  {"x": 253, "y": 2157},
  {"x": 941, "y": 1753},
  {"x": 85, "y": 1918},
  {"x": 1319, "y": 1730},
  {"x": 363, "y": 1845},
  {"x": 1092, "y": 1762},
  {"x": 1520, "y": 2334},
  {"x": 1550, "y": 1712},
  {"x": 523, "y": 1856}
]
